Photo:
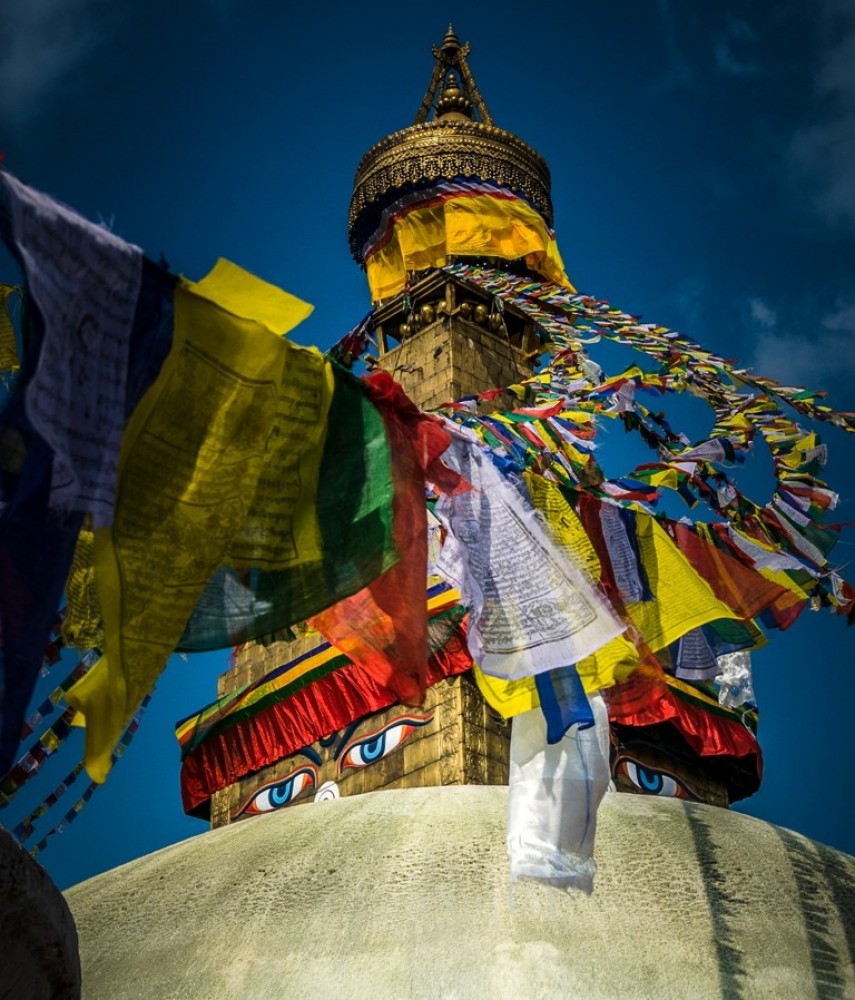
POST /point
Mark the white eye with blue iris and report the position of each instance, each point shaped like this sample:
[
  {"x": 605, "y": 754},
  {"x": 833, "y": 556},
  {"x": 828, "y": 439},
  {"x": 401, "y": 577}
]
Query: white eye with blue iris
[
  {"x": 281, "y": 793},
  {"x": 650, "y": 781},
  {"x": 369, "y": 749}
]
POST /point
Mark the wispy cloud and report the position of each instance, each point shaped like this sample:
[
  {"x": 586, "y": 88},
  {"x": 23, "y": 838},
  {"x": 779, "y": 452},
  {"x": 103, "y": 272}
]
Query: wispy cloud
[
  {"x": 41, "y": 43},
  {"x": 695, "y": 50},
  {"x": 823, "y": 152},
  {"x": 762, "y": 314},
  {"x": 731, "y": 47},
  {"x": 679, "y": 71},
  {"x": 819, "y": 356}
]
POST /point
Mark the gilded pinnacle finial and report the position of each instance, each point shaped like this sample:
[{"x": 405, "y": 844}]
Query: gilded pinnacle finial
[
  {"x": 451, "y": 41},
  {"x": 451, "y": 55}
]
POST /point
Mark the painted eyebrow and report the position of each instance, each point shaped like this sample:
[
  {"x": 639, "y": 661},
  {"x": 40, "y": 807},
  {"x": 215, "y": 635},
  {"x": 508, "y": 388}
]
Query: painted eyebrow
[
  {"x": 310, "y": 754},
  {"x": 345, "y": 737}
]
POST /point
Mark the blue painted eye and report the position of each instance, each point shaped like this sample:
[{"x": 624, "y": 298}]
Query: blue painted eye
[
  {"x": 380, "y": 744},
  {"x": 652, "y": 782},
  {"x": 373, "y": 749},
  {"x": 280, "y": 793}
]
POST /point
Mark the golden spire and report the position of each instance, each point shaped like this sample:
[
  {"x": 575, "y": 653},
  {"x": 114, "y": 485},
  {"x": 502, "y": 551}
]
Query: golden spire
[
  {"x": 460, "y": 140},
  {"x": 450, "y": 56}
]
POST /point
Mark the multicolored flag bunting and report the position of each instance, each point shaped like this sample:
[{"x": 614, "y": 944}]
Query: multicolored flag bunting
[{"x": 192, "y": 480}]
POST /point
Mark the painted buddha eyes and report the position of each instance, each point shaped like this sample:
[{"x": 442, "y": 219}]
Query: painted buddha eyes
[
  {"x": 281, "y": 792},
  {"x": 375, "y": 746},
  {"x": 359, "y": 752},
  {"x": 651, "y": 781}
]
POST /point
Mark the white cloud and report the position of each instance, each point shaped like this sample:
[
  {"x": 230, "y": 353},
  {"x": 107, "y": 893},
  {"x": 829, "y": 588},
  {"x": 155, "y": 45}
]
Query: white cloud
[
  {"x": 823, "y": 152},
  {"x": 678, "y": 73},
  {"x": 762, "y": 314},
  {"x": 729, "y": 49},
  {"x": 817, "y": 357},
  {"x": 41, "y": 42},
  {"x": 842, "y": 319}
]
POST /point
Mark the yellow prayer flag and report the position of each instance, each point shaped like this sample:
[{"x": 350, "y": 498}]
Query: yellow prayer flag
[
  {"x": 611, "y": 664},
  {"x": 192, "y": 456},
  {"x": 682, "y": 599},
  {"x": 83, "y": 626},
  {"x": 669, "y": 478},
  {"x": 508, "y": 698},
  {"x": 9, "y": 360},
  {"x": 243, "y": 294},
  {"x": 564, "y": 523}
]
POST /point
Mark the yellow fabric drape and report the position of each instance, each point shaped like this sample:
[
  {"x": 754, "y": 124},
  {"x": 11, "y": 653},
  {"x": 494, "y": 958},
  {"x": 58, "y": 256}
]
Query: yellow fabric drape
[
  {"x": 9, "y": 360},
  {"x": 193, "y": 454},
  {"x": 478, "y": 226},
  {"x": 83, "y": 626}
]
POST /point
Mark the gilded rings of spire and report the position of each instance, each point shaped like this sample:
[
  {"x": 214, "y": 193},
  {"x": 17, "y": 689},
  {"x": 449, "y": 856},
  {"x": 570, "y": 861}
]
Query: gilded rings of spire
[{"x": 445, "y": 148}]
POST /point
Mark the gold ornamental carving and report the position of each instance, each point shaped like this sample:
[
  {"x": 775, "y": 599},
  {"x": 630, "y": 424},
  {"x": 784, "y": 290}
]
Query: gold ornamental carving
[{"x": 449, "y": 148}]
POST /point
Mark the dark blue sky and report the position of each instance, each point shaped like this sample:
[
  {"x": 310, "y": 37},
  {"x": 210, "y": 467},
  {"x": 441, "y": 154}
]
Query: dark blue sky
[{"x": 701, "y": 158}]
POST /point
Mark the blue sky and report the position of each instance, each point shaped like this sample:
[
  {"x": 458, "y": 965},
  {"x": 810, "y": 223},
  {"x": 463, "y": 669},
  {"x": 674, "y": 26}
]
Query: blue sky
[{"x": 701, "y": 159}]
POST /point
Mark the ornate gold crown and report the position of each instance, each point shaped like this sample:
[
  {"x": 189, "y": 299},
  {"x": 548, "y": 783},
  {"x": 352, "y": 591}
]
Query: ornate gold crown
[{"x": 452, "y": 144}]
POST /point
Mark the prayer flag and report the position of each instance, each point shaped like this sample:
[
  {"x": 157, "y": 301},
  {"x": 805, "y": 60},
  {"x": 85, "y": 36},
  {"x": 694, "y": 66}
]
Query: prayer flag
[
  {"x": 85, "y": 282},
  {"x": 191, "y": 458},
  {"x": 9, "y": 361},
  {"x": 532, "y": 606},
  {"x": 383, "y": 628}
]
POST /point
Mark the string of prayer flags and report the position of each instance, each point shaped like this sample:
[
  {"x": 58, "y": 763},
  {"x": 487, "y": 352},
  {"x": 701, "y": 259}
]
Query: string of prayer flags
[
  {"x": 23, "y": 830},
  {"x": 27, "y": 827},
  {"x": 60, "y": 427},
  {"x": 28, "y": 764},
  {"x": 35, "y": 552},
  {"x": 47, "y": 707},
  {"x": 696, "y": 471}
]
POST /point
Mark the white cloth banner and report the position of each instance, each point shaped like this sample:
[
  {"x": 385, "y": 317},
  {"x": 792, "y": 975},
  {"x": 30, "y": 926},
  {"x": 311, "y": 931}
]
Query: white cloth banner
[
  {"x": 736, "y": 686},
  {"x": 553, "y": 796},
  {"x": 85, "y": 282},
  {"x": 531, "y": 608}
]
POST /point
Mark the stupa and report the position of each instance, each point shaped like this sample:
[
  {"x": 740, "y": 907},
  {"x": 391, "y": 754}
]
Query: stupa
[
  {"x": 397, "y": 885},
  {"x": 400, "y": 887}
]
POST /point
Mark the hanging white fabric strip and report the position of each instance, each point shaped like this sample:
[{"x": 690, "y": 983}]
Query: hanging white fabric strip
[{"x": 553, "y": 798}]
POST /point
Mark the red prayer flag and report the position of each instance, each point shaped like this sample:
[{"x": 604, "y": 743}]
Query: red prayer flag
[{"x": 383, "y": 628}]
